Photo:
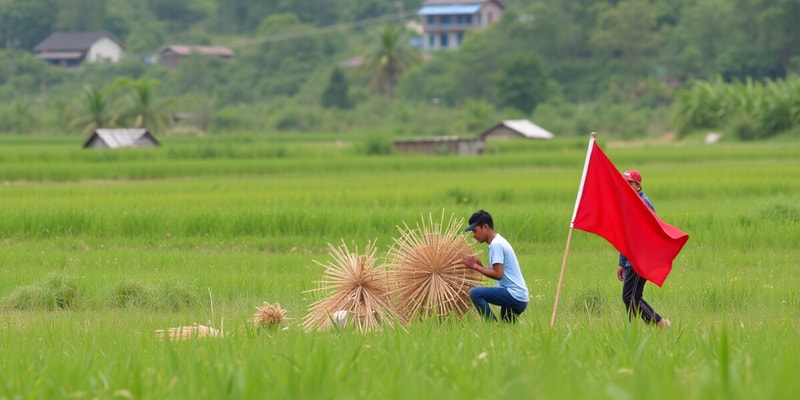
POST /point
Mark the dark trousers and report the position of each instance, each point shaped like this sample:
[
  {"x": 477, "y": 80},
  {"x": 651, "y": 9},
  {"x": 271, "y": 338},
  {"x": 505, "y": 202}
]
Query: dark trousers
[
  {"x": 510, "y": 307},
  {"x": 632, "y": 288}
]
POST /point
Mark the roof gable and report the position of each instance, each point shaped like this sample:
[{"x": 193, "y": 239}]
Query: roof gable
[
  {"x": 73, "y": 41},
  {"x": 183, "y": 50},
  {"x": 516, "y": 128}
]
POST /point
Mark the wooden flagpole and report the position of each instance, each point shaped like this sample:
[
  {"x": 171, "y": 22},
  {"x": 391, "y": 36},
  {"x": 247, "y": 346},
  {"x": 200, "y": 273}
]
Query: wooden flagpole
[
  {"x": 569, "y": 235},
  {"x": 561, "y": 278}
]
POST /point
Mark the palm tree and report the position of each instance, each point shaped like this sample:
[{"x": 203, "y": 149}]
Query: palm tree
[
  {"x": 389, "y": 59},
  {"x": 96, "y": 111},
  {"x": 143, "y": 111}
]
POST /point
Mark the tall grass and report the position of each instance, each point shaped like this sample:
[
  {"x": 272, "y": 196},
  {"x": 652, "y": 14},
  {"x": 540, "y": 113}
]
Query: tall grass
[{"x": 95, "y": 258}]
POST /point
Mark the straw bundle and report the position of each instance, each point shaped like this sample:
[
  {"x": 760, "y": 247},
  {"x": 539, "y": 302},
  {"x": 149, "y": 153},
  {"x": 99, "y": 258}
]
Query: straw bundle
[
  {"x": 269, "y": 316},
  {"x": 187, "y": 332},
  {"x": 358, "y": 291},
  {"x": 431, "y": 278}
]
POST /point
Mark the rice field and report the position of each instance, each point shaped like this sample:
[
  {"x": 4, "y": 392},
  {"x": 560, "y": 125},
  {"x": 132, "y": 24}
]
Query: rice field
[{"x": 101, "y": 249}]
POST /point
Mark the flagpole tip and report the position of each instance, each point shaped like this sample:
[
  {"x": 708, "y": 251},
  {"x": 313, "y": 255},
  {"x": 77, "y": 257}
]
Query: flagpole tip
[{"x": 594, "y": 135}]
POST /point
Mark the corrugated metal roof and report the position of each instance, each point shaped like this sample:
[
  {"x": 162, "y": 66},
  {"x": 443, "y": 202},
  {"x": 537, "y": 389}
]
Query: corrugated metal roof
[
  {"x": 516, "y": 127},
  {"x": 450, "y": 9},
  {"x": 204, "y": 50},
  {"x": 528, "y": 128},
  {"x": 115, "y": 138}
]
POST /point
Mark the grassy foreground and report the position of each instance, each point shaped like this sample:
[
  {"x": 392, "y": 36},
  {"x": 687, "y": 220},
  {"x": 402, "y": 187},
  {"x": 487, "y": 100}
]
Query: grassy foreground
[{"x": 100, "y": 249}]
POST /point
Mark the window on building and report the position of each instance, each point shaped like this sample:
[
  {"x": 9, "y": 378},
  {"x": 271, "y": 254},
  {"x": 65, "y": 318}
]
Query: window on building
[
  {"x": 431, "y": 20},
  {"x": 480, "y": 22},
  {"x": 468, "y": 20},
  {"x": 431, "y": 41},
  {"x": 459, "y": 38},
  {"x": 444, "y": 40},
  {"x": 445, "y": 20}
]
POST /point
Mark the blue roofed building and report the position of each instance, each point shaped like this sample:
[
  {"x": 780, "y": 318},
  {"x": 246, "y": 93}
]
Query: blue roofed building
[{"x": 445, "y": 22}]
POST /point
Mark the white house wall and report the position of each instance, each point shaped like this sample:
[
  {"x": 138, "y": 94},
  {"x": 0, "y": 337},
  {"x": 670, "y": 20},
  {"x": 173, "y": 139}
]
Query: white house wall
[{"x": 104, "y": 50}]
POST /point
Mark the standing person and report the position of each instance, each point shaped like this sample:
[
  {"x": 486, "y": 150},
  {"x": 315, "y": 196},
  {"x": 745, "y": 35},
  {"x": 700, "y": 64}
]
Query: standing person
[
  {"x": 633, "y": 284},
  {"x": 511, "y": 293}
]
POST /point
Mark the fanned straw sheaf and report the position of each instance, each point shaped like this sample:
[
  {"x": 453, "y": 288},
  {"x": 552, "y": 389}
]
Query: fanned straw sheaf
[
  {"x": 188, "y": 332},
  {"x": 269, "y": 316},
  {"x": 358, "y": 291},
  {"x": 428, "y": 264}
]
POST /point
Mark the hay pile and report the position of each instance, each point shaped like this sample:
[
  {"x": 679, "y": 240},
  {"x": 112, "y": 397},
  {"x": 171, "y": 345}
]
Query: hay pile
[
  {"x": 269, "y": 316},
  {"x": 430, "y": 278},
  {"x": 188, "y": 332},
  {"x": 357, "y": 291}
]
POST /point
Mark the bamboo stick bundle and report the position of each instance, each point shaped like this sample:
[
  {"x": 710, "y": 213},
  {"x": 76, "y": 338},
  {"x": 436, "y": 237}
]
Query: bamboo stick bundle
[
  {"x": 357, "y": 291},
  {"x": 430, "y": 276}
]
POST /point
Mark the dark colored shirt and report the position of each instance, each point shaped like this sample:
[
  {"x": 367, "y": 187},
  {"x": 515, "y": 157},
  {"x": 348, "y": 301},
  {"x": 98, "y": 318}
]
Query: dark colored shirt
[{"x": 623, "y": 261}]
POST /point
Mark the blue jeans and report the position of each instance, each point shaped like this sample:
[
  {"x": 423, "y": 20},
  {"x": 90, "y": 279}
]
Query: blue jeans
[{"x": 510, "y": 307}]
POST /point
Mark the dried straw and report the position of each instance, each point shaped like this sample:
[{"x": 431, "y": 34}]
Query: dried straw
[
  {"x": 269, "y": 316},
  {"x": 431, "y": 278},
  {"x": 357, "y": 286},
  {"x": 188, "y": 332}
]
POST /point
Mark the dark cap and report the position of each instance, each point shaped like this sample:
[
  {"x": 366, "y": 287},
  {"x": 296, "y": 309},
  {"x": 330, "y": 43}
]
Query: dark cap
[{"x": 479, "y": 218}]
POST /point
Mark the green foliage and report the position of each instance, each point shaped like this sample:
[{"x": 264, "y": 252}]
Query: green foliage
[
  {"x": 24, "y": 23},
  {"x": 753, "y": 110},
  {"x": 476, "y": 117},
  {"x": 387, "y": 59},
  {"x": 95, "y": 112},
  {"x": 131, "y": 294},
  {"x": 521, "y": 83},
  {"x": 56, "y": 293},
  {"x": 599, "y": 55},
  {"x": 337, "y": 93},
  {"x": 142, "y": 109},
  {"x": 377, "y": 144}
]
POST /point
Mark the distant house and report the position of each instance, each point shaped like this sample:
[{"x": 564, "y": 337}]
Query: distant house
[
  {"x": 116, "y": 138},
  {"x": 71, "y": 49},
  {"x": 171, "y": 55},
  {"x": 444, "y": 22},
  {"x": 516, "y": 128},
  {"x": 441, "y": 145}
]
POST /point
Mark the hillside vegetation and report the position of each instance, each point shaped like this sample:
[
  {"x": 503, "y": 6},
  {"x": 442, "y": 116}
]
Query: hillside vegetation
[{"x": 629, "y": 68}]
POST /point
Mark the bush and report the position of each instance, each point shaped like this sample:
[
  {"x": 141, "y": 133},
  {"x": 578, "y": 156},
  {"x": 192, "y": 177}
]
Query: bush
[
  {"x": 377, "y": 144},
  {"x": 746, "y": 128}
]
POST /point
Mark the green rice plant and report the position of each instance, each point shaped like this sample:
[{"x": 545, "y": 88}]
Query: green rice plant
[
  {"x": 590, "y": 301},
  {"x": 172, "y": 296},
  {"x": 147, "y": 254},
  {"x": 55, "y": 293},
  {"x": 130, "y": 293}
]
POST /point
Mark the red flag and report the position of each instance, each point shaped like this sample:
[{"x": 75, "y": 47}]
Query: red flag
[{"x": 607, "y": 206}]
